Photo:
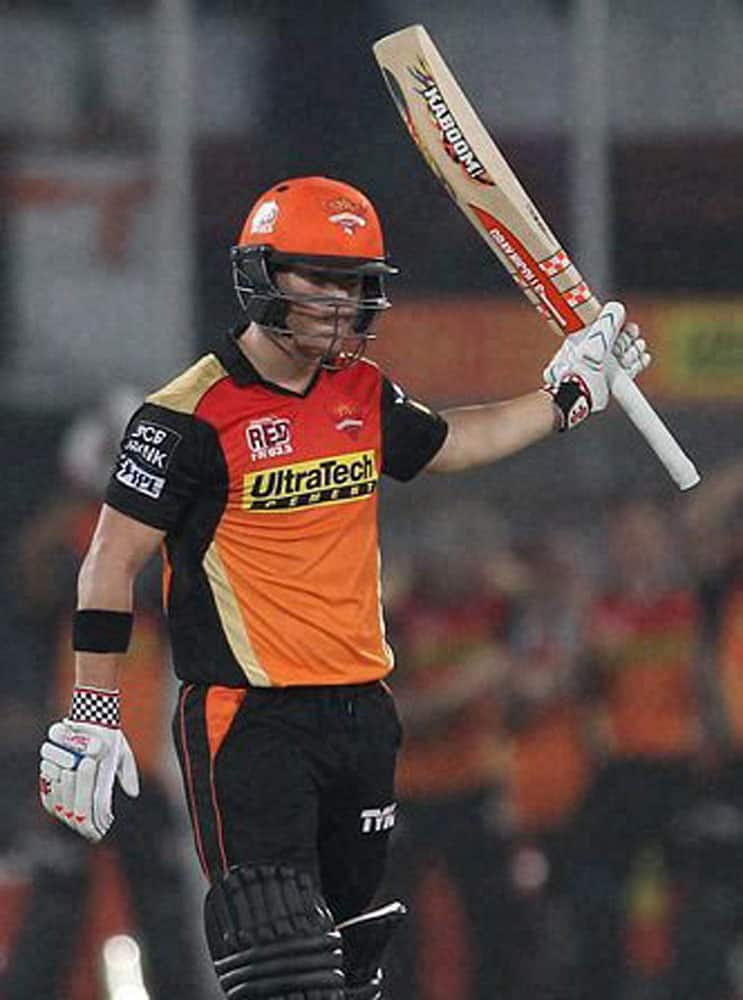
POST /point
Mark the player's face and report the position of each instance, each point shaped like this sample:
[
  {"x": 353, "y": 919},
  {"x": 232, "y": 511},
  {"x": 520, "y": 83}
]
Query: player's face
[{"x": 322, "y": 311}]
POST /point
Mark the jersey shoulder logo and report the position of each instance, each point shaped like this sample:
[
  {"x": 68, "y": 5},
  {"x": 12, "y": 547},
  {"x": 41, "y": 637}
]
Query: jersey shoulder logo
[{"x": 146, "y": 453}]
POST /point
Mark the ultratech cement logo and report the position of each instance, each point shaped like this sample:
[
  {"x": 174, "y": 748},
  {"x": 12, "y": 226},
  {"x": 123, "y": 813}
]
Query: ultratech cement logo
[
  {"x": 336, "y": 479},
  {"x": 454, "y": 141}
]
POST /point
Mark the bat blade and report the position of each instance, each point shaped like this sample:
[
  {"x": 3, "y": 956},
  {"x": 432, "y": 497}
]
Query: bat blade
[{"x": 461, "y": 153}]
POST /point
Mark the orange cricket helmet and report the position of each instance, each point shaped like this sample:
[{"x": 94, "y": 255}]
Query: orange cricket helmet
[
  {"x": 314, "y": 222},
  {"x": 316, "y": 217}
]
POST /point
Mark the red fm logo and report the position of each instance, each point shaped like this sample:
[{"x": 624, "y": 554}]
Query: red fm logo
[{"x": 269, "y": 437}]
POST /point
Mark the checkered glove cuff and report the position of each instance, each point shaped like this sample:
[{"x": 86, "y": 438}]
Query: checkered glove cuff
[{"x": 96, "y": 705}]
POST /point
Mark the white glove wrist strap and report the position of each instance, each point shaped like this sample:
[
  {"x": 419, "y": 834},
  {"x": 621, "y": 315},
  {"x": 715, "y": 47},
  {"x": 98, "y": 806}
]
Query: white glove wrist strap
[{"x": 96, "y": 705}]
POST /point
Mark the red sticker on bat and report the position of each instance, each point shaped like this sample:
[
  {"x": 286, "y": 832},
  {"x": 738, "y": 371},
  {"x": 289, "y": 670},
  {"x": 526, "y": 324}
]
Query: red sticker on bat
[{"x": 528, "y": 274}]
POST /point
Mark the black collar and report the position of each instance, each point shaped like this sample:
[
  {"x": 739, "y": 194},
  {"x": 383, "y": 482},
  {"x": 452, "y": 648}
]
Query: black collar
[
  {"x": 243, "y": 372},
  {"x": 234, "y": 361}
]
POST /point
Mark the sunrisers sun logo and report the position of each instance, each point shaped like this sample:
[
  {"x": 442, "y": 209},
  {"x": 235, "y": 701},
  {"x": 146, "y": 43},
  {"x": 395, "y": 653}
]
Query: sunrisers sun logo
[{"x": 336, "y": 479}]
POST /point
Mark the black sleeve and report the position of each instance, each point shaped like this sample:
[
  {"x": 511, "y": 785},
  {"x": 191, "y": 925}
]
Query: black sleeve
[
  {"x": 161, "y": 466},
  {"x": 411, "y": 433}
]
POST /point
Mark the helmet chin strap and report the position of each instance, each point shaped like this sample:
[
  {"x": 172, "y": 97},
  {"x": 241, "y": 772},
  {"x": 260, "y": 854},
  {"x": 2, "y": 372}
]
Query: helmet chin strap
[
  {"x": 331, "y": 359},
  {"x": 282, "y": 339}
]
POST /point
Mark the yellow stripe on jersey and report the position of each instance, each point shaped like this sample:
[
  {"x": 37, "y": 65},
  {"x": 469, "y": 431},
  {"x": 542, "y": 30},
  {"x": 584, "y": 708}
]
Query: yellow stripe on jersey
[
  {"x": 232, "y": 619},
  {"x": 185, "y": 391}
]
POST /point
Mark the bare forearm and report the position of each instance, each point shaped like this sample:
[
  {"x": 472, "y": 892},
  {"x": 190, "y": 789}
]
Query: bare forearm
[
  {"x": 482, "y": 434},
  {"x": 106, "y": 579},
  {"x": 106, "y": 582},
  {"x": 98, "y": 670}
]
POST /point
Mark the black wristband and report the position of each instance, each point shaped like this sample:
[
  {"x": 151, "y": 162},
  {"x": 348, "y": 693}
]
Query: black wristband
[{"x": 96, "y": 631}]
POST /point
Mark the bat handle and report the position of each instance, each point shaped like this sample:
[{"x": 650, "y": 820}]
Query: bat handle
[{"x": 680, "y": 467}]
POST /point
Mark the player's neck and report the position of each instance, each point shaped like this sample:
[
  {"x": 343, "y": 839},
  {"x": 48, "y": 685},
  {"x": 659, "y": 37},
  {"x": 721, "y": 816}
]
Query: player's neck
[{"x": 274, "y": 364}]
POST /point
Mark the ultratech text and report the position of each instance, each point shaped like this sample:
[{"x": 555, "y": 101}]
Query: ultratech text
[{"x": 336, "y": 479}]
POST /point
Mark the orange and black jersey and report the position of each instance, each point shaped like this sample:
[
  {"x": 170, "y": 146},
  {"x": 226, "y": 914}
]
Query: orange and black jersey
[{"x": 269, "y": 503}]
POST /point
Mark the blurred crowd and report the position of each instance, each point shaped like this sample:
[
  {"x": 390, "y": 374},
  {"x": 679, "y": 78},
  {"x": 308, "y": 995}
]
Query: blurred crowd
[
  {"x": 570, "y": 819},
  {"x": 62, "y": 899},
  {"x": 571, "y": 785}
]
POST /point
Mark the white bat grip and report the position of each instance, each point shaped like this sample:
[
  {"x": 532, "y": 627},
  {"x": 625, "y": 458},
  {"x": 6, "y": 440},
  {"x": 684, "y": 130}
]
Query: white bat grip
[{"x": 680, "y": 467}]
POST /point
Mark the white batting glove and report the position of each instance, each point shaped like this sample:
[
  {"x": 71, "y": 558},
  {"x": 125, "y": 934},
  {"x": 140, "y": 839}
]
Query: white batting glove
[
  {"x": 580, "y": 375},
  {"x": 79, "y": 763},
  {"x": 630, "y": 353}
]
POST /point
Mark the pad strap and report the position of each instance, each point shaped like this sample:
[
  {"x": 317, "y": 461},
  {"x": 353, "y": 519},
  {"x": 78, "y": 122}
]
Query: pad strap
[{"x": 365, "y": 939}]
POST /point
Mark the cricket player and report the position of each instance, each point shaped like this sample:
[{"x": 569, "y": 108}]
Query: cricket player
[{"x": 256, "y": 471}]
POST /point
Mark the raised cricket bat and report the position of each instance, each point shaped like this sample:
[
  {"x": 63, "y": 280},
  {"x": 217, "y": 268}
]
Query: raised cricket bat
[{"x": 459, "y": 151}]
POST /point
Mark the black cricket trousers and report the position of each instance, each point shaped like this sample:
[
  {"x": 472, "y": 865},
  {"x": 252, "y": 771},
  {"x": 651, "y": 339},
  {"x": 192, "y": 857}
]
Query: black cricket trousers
[{"x": 302, "y": 776}]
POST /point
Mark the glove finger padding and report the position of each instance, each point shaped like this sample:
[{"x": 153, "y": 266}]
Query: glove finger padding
[
  {"x": 58, "y": 756},
  {"x": 630, "y": 351},
  {"x": 84, "y": 789},
  {"x": 67, "y": 794},
  {"x": 79, "y": 763},
  {"x": 102, "y": 795},
  {"x": 56, "y": 775},
  {"x": 127, "y": 770},
  {"x": 73, "y": 740},
  {"x": 68, "y": 776}
]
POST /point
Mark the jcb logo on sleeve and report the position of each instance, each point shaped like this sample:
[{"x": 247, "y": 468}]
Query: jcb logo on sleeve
[
  {"x": 376, "y": 820},
  {"x": 152, "y": 444},
  {"x": 336, "y": 479}
]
